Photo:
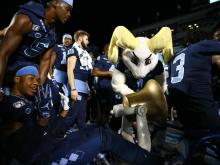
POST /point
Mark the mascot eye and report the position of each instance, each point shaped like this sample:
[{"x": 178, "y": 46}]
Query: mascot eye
[
  {"x": 148, "y": 60},
  {"x": 134, "y": 59}
]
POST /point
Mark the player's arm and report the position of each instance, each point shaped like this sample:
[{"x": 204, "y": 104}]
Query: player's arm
[
  {"x": 52, "y": 63},
  {"x": 99, "y": 73},
  {"x": 216, "y": 60},
  {"x": 208, "y": 47},
  {"x": 19, "y": 26},
  {"x": 2, "y": 32},
  {"x": 71, "y": 62},
  {"x": 45, "y": 65}
]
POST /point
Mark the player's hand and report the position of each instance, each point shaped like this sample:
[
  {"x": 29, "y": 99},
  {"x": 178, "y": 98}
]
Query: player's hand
[{"x": 74, "y": 95}]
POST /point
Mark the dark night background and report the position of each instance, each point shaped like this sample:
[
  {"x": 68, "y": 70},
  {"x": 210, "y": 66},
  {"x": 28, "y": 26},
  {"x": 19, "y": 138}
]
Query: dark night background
[{"x": 100, "y": 17}]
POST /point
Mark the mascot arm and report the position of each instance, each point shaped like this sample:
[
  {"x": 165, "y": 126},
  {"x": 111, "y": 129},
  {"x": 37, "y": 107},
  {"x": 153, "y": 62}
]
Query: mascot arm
[{"x": 118, "y": 83}]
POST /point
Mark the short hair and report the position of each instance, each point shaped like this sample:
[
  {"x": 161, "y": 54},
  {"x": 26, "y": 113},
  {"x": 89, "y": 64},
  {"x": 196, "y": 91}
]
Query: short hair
[{"x": 80, "y": 33}]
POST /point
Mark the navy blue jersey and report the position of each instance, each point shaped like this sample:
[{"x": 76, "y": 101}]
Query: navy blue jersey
[
  {"x": 80, "y": 72},
  {"x": 17, "y": 109},
  {"x": 40, "y": 146},
  {"x": 38, "y": 40},
  {"x": 83, "y": 67},
  {"x": 191, "y": 69},
  {"x": 61, "y": 60},
  {"x": 79, "y": 147},
  {"x": 103, "y": 64},
  {"x": 132, "y": 82}
]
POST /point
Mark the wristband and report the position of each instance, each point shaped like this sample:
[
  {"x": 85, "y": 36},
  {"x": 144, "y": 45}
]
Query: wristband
[{"x": 74, "y": 89}]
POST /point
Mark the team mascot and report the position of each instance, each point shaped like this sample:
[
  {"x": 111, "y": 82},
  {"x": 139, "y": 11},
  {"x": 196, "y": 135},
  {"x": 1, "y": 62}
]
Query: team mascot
[{"x": 139, "y": 62}]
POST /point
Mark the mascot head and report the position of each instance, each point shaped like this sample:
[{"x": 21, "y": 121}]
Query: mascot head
[{"x": 140, "y": 53}]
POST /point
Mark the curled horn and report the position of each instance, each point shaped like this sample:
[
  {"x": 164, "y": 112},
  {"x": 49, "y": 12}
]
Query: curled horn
[
  {"x": 123, "y": 38},
  {"x": 162, "y": 41}
]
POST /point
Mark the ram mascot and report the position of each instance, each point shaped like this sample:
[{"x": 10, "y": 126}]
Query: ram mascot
[{"x": 139, "y": 66}]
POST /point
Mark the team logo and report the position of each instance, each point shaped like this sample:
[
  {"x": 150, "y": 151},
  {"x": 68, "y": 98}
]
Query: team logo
[
  {"x": 37, "y": 35},
  {"x": 27, "y": 111},
  {"x": 19, "y": 104},
  {"x": 71, "y": 51},
  {"x": 36, "y": 28}
]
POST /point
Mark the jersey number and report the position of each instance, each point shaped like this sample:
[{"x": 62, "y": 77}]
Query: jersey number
[
  {"x": 37, "y": 47},
  {"x": 64, "y": 58},
  {"x": 179, "y": 68}
]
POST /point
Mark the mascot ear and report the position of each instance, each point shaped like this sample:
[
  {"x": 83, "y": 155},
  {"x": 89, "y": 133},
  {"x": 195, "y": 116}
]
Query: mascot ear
[
  {"x": 123, "y": 38},
  {"x": 162, "y": 41}
]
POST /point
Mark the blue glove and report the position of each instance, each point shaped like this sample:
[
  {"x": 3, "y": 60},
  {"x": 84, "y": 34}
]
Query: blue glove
[{"x": 43, "y": 101}]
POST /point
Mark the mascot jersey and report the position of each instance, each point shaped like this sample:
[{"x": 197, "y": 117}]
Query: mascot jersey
[
  {"x": 134, "y": 83},
  {"x": 38, "y": 40},
  {"x": 191, "y": 69}
]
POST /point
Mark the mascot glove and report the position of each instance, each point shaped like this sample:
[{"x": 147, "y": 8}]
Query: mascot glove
[{"x": 117, "y": 110}]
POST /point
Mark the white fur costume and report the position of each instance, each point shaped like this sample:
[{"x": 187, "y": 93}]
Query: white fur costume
[
  {"x": 140, "y": 57},
  {"x": 142, "y": 49}
]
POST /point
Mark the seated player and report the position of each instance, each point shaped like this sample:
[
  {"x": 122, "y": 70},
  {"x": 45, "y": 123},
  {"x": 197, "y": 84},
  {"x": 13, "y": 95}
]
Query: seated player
[{"x": 35, "y": 143}]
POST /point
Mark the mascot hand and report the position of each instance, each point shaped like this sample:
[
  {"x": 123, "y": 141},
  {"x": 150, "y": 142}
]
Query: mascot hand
[
  {"x": 117, "y": 110},
  {"x": 118, "y": 83}
]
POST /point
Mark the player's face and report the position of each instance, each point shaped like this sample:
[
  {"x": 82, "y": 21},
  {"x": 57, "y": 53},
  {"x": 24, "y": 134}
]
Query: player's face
[
  {"x": 67, "y": 42},
  {"x": 63, "y": 11},
  {"x": 85, "y": 41},
  {"x": 28, "y": 85}
]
